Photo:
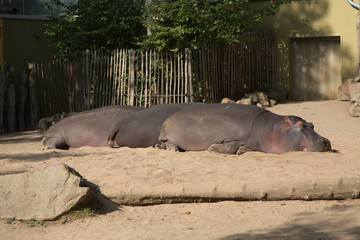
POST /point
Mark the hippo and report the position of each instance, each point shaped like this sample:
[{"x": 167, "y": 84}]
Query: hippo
[
  {"x": 143, "y": 128},
  {"x": 236, "y": 128},
  {"x": 88, "y": 128}
]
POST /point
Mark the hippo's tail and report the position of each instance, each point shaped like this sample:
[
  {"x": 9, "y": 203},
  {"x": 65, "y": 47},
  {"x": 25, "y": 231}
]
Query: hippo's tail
[{"x": 114, "y": 131}]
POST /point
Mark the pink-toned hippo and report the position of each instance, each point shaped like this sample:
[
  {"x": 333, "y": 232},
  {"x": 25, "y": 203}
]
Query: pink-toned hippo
[{"x": 236, "y": 128}]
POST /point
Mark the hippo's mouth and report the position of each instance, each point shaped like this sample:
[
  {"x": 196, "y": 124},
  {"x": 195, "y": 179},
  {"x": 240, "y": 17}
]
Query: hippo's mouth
[{"x": 322, "y": 145}]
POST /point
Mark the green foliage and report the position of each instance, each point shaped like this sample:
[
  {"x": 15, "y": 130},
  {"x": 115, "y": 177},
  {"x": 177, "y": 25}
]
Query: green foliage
[
  {"x": 100, "y": 25},
  {"x": 35, "y": 223},
  {"x": 76, "y": 215},
  {"x": 179, "y": 24},
  {"x": 174, "y": 24}
]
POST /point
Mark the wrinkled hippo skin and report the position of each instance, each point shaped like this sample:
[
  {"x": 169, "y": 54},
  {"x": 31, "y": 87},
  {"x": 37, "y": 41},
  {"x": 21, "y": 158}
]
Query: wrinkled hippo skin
[
  {"x": 236, "y": 128},
  {"x": 88, "y": 128},
  {"x": 143, "y": 128}
]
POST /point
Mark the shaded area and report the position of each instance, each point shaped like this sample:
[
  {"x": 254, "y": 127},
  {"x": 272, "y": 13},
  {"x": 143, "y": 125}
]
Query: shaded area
[
  {"x": 38, "y": 157},
  {"x": 108, "y": 206},
  {"x": 21, "y": 137},
  {"x": 301, "y": 226}
]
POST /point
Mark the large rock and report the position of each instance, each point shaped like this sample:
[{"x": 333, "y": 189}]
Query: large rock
[
  {"x": 257, "y": 98},
  {"x": 227, "y": 100},
  {"x": 349, "y": 89},
  {"x": 43, "y": 194},
  {"x": 344, "y": 90},
  {"x": 354, "y": 90},
  {"x": 354, "y": 109}
]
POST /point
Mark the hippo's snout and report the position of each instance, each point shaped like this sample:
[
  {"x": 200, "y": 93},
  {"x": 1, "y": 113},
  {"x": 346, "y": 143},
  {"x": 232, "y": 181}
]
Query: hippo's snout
[
  {"x": 319, "y": 145},
  {"x": 326, "y": 144}
]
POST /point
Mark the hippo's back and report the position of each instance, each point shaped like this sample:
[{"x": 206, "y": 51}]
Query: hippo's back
[{"x": 143, "y": 128}]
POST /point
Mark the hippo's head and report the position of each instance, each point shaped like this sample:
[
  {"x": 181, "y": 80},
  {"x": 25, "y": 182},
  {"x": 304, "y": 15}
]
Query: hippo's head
[{"x": 300, "y": 136}]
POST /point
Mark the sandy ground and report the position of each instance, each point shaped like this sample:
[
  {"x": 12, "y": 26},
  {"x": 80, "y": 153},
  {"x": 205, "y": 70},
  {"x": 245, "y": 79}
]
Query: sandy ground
[{"x": 114, "y": 170}]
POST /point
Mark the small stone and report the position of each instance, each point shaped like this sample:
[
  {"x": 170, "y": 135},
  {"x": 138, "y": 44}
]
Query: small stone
[
  {"x": 246, "y": 101},
  {"x": 227, "y": 100}
]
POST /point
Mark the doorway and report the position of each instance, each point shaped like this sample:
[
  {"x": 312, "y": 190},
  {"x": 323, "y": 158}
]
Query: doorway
[{"x": 315, "y": 68}]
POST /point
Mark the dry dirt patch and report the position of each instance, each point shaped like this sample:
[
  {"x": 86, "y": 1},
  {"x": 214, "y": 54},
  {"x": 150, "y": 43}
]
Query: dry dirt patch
[{"x": 151, "y": 170}]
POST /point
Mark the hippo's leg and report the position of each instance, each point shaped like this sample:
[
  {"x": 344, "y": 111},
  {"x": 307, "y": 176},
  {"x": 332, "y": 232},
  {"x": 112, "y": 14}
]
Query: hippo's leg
[
  {"x": 242, "y": 150},
  {"x": 225, "y": 147}
]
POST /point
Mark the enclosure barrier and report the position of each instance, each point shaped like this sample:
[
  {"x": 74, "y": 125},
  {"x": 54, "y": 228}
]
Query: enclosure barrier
[{"x": 93, "y": 79}]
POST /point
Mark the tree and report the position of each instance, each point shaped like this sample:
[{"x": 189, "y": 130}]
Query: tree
[
  {"x": 179, "y": 24},
  {"x": 100, "y": 25},
  {"x": 175, "y": 24}
]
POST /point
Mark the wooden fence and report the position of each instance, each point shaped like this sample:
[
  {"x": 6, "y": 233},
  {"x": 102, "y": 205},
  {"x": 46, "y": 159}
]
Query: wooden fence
[{"x": 93, "y": 79}]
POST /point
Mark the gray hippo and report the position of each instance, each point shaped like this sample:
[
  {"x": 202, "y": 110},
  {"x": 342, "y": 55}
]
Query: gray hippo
[
  {"x": 143, "y": 128},
  {"x": 88, "y": 128},
  {"x": 236, "y": 128}
]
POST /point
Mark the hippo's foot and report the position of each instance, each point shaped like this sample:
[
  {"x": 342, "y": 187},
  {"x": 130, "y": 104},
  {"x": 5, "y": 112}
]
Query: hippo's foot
[
  {"x": 225, "y": 147},
  {"x": 160, "y": 146},
  {"x": 168, "y": 146},
  {"x": 110, "y": 143},
  {"x": 242, "y": 150}
]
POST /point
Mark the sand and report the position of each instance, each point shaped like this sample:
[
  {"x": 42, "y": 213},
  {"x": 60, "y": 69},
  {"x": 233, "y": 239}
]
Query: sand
[{"x": 147, "y": 171}]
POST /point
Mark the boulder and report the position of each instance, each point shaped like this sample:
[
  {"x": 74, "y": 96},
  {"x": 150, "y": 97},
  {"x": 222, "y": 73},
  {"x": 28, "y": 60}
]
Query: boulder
[
  {"x": 349, "y": 89},
  {"x": 263, "y": 99},
  {"x": 44, "y": 194},
  {"x": 354, "y": 109},
  {"x": 227, "y": 100},
  {"x": 354, "y": 90},
  {"x": 246, "y": 101},
  {"x": 344, "y": 90},
  {"x": 256, "y": 98}
]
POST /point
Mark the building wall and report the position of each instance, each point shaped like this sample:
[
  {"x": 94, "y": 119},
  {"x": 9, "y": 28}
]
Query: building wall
[
  {"x": 314, "y": 18},
  {"x": 23, "y": 41}
]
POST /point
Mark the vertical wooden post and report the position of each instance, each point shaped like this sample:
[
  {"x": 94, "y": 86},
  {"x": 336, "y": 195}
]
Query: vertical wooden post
[
  {"x": 11, "y": 99},
  {"x": 2, "y": 100},
  {"x": 167, "y": 77},
  {"x": 87, "y": 79},
  {"x": 132, "y": 76},
  {"x": 34, "y": 115},
  {"x": 150, "y": 77},
  {"x": 22, "y": 98}
]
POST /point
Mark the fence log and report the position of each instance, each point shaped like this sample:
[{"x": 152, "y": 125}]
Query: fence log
[
  {"x": 132, "y": 76},
  {"x": 34, "y": 117},
  {"x": 2, "y": 100},
  {"x": 11, "y": 99},
  {"x": 22, "y": 98}
]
